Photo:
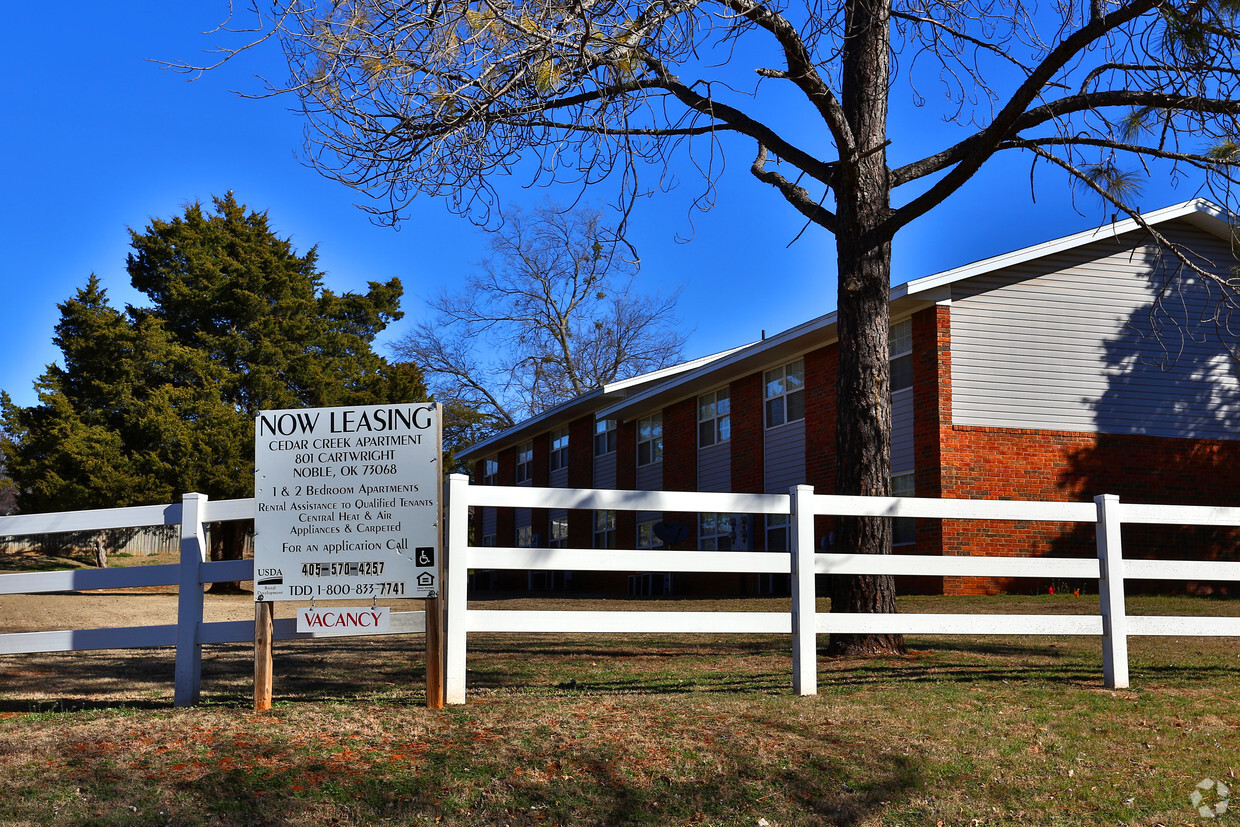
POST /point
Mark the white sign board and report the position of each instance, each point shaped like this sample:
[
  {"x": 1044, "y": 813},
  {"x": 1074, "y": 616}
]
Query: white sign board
[{"x": 347, "y": 502}]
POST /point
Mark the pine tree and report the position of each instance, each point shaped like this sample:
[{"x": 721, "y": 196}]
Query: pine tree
[{"x": 156, "y": 401}]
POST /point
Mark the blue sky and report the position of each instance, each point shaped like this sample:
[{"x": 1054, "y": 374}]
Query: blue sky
[{"x": 100, "y": 139}]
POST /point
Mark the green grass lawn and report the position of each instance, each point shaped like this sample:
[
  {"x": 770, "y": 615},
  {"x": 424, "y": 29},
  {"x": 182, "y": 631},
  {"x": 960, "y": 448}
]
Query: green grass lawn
[{"x": 638, "y": 729}]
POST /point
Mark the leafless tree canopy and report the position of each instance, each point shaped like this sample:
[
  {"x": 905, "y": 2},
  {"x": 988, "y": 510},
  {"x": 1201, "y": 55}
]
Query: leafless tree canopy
[
  {"x": 435, "y": 97},
  {"x": 550, "y": 315}
]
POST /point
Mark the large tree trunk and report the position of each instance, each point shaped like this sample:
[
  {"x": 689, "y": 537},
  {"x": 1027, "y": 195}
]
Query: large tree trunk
[
  {"x": 228, "y": 543},
  {"x": 863, "y": 406}
]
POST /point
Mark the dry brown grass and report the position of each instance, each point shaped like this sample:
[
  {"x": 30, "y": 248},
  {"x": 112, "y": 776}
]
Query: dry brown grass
[{"x": 631, "y": 729}]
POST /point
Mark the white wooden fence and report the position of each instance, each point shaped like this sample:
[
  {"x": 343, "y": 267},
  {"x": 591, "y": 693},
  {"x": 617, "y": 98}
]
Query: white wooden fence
[
  {"x": 189, "y": 633},
  {"x": 804, "y": 623}
]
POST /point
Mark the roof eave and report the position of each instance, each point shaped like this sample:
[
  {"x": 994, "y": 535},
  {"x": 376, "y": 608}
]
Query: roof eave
[{"x": 578, "y": 406}]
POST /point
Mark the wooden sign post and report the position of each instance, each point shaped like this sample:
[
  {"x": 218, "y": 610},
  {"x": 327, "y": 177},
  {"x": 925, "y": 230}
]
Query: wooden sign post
[
  {"x": 264, "y": 632},
  {"x": 434, "y": 653}
]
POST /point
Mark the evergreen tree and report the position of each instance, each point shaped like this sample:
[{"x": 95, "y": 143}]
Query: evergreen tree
[{"x": 155, "y": 401}]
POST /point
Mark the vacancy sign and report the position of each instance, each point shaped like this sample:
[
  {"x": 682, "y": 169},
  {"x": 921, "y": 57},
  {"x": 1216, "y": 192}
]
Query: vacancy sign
[
  {"x": 358, "y": 620},
  {"x": 347, "y": 506}
]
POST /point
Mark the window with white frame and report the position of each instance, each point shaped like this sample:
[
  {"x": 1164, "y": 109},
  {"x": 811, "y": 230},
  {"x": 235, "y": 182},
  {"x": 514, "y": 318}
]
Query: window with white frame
[
  {"x": 900, "y": 352},
  {"x": 559, "y": 532},
  {"x": 604, "y": 529},
  {"x": 717, "y": 532},
  {"x": 525, "y": 536},
  {"x": 785, "y": 393},
  {"x": 714, "y": 418},
  {"x": 604, "y": 437},
  {"x": 490, "y": 471},
  {"x": 777, "y": 532},
  {"x": 646, "y": 538},
  {"x": 559, "y": 449},
  {"x": 525, "y": 462},
  {"x": 903, "y": 529},
  {"x": 650, "y": 439},
  {"x": 488, "y": 540}
]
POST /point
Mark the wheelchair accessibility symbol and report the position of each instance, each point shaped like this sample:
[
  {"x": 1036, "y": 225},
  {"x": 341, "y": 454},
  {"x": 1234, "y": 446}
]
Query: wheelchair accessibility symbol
[{"x": 425, "y": 556}]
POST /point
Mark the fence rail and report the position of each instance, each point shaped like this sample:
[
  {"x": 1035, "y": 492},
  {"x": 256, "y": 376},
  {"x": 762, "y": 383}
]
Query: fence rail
[
  {"x": 804, "y": 623},
  {"x": 194, "y": 571}
]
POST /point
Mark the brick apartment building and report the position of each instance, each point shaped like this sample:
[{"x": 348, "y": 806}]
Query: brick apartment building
[{"x": 1089, "y": 364}]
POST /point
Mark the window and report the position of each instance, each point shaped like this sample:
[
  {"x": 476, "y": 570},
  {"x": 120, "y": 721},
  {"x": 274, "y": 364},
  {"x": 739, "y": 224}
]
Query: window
[
  {"x": 559, "y": 449},
  {"x": 900, "y": 351},
  {"x": 714, "y": 418},
  {"x": 650, "y": 439},
  {"x": 785, "y": 394},
  {"x": 777, "y": 532},
  {"x": 604, "y": 437},
  {"x": 646, "y": 538},
  {"x": 488, "y": 541},
  {"x": 559, "y": 532},
  {"x": 720, "y": 532},
  {"x": 525, "y": 462},
  {"x": 490, "y": 471},
  {"x": 604, "y": 529},
  {"x": 903, "y": 529},
  {"x": 525, "y": 536}
]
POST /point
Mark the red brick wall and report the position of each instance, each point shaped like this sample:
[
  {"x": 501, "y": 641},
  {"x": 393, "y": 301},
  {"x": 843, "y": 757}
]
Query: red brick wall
[
  {"x": 580, "y": 475},
  {"x": 748, "y": 434},
  {"x": 541, "y": 477},
  {"x": 932, "y": 412},
  {"x": 680, "y": 446},
  {"x": 680, "y": 464},
  {"x": 1010, "y": 463},
  {"x": 626, "y": 479},
  {"x": 821, "y": 369},
  {"x": 506, "y": 518}
]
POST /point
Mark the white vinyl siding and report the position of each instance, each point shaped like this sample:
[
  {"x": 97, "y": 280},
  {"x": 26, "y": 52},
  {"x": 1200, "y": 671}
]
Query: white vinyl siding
[
  {"x": 605, "y": 471},
  {"x": 715, "y": 468},
  {"x": 650, "y": 477},
  {"x": 1066, "y": 343},
  {"x": 902, "y": 431},
  {"x": 784, "y": 460}
]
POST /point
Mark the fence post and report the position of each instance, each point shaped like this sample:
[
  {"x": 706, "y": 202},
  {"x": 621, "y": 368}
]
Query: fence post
[
  {"x": 189, "y": 601},
  {"x": 455, "y": 588},
  {"x": 804, "y": 606},
  {"x": 1111, "y": 593}
]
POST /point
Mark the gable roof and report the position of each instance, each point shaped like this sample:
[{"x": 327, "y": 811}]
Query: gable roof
[
  {"x": 578, "y": 406},
  {"x": 905, "y": 298},
  {"x": 1199, "y": 212},
  {"x": 640, "y": 395}
]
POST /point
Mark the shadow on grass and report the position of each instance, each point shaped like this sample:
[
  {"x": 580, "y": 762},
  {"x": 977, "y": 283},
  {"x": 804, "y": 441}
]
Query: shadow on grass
[{"x": 278, "y": 776}]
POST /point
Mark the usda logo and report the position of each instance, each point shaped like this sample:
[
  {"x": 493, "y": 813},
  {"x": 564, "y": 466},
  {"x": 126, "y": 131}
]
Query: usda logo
[{"x": 1210, "y": 798}]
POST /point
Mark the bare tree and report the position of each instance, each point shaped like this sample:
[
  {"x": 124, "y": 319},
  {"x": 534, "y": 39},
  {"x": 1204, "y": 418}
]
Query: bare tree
[
  {"x": 550, "y": 315},
  {"x": 438, "y": 97}
]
